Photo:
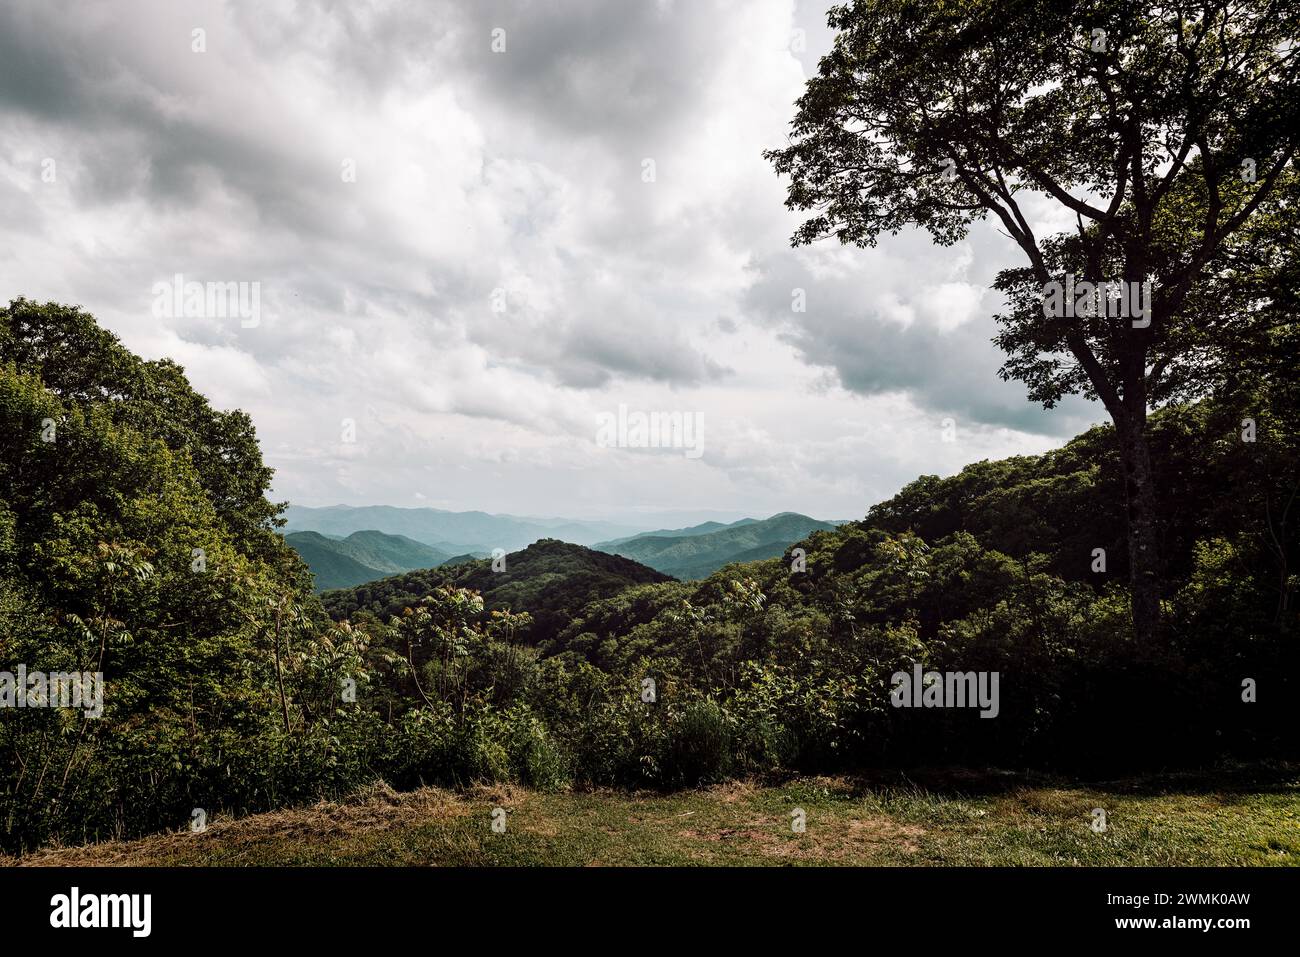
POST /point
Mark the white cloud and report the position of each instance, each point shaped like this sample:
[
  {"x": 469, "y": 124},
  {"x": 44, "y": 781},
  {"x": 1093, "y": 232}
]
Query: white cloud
[{"x": 476, "y": 172}]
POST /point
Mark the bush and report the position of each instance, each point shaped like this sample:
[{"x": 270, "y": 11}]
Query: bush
[
  {"x": 535, "y": 759},
  {"x": 698, "y": 746}
]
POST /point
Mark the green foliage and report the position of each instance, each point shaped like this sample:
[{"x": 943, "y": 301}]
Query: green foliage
[
  {"x": 553, "y": 580},
  {"x": 229, "y": 689},
  {"x": 1166, "y": 135},
  {"x": 698, "y": 746},
  {"x": 112, "y": 474}
]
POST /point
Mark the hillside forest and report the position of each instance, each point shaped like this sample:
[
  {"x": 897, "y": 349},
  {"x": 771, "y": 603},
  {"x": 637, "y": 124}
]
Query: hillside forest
[
  {"x": 1135, "y": 591},
  {"x": 140, "y": 543}
]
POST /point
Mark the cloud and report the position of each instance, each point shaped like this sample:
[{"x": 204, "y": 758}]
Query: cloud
[
  {"x": 907, "y": 318},
  {"x": 464, "y": 252}
]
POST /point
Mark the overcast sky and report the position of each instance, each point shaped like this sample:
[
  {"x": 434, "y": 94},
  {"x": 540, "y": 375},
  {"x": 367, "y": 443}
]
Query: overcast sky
[{"x": 499, "y": 271}]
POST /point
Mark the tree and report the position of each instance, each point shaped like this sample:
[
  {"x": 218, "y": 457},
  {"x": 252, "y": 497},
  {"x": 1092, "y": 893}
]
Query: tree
[
  {"x": 1164, "y": 131},
  {"x": 136, "y": 544},
  {"x": 86, "y": 365}
]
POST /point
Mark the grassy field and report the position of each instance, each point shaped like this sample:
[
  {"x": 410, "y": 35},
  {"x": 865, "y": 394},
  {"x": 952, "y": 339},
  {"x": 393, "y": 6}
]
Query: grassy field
[{"x": 1247, "y": 817}]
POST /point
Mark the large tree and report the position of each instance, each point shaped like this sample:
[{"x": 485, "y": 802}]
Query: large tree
[
  {"x": 85, "y": 365},
  {"x": 1163, "y": 131}
]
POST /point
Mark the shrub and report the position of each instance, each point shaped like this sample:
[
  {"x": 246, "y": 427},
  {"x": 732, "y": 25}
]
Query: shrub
[{"x": 698, "y": 746}]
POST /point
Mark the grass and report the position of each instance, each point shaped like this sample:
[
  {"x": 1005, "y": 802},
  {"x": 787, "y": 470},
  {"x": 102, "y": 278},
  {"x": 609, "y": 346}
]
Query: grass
[{"x": 945, "y": 818}]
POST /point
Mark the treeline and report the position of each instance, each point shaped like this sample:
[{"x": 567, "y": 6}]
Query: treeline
[{"x": 136, "y": 540}]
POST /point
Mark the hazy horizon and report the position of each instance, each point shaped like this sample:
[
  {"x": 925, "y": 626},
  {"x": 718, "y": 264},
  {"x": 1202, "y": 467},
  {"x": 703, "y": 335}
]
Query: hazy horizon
[{"x": 644, "y": 521}]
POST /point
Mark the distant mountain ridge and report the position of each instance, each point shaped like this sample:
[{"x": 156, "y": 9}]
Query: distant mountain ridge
[
  {"x": 450, "y": 532},
  {"x": 340, "y": 558},
  {"x": 361, "y": 557},
  {"x": 688, "y": 554},
  {"x": 704, "y": 528}
]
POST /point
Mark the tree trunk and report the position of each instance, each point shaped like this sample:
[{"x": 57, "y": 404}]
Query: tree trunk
[
  {"x": 279, "y": 674},
  {"x": 1143, "y": 526}
]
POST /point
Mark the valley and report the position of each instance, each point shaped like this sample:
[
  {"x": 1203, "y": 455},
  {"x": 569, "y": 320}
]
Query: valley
[{"x": 341, "y": 555}]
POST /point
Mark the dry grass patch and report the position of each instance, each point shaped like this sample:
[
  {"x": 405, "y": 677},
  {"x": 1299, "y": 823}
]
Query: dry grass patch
[
  {"x": 372, "y": 810},
  {"x": 872, "y": 821}
]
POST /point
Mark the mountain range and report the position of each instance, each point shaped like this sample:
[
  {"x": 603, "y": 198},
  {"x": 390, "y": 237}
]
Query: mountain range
[
  {"x": 697, "y": 552},
  {"x": 451, "y": 532},
  {"x": 342, "y": 555},
  {"x": 362, "y": 556}
]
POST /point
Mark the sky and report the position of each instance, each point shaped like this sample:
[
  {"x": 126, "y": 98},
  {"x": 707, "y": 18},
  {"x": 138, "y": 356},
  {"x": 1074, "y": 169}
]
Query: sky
[{"x": 476, "y": 230}]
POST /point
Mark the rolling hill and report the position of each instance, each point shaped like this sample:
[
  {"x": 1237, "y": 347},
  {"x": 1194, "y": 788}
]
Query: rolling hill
[
  {"x": 463, "y": 559},
  {"x": 702, "y": 529},
  {"x": 685, "y": 554},
  {"x": 550, "y": 579},
  {"x": 361, "y": 557}
]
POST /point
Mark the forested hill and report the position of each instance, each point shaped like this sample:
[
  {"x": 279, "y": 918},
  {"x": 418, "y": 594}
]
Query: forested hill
[
  {"x": 1067, "y": 503},
  {"x": 550, "y": 579},
  {"x": 688, "y": 553},
  {"x": 136, "y": 541},
  {"x": 361, "y": 557}
]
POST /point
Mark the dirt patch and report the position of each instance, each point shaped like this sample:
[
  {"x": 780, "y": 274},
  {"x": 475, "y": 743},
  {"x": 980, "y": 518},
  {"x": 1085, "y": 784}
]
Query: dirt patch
[{"x": 883, "y": 830}]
